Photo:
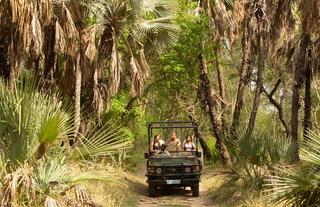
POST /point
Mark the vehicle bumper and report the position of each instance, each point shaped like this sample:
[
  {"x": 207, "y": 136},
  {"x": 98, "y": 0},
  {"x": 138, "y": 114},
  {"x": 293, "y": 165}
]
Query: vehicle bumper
[{"x": 185, "y": 180}]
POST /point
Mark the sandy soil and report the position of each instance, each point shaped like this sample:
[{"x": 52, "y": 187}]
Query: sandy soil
[{"x": 168, "y": 197}]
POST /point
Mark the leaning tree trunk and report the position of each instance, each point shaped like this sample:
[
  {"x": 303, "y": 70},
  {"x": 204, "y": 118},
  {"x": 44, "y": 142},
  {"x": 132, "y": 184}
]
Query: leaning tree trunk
[
  {"x": 261, "y": 49},
  {"x": 206, "y": 150},
  {"x": 297, "y": 85},
  {"x": 221, "y": 87},
  {"x": 208, "y": 91},
  {"x": 307, "y": 124},
  {"x": 246, "y": 51}
]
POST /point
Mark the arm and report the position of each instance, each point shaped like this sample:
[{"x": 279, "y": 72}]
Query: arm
[{"x": 151, "y": 147}]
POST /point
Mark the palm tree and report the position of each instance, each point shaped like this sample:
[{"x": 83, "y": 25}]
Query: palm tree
[
  {"x": 310, "y": 10},
  {"x": 298, "y": 186},
  {"x": 33, "y": 126},
  {"x": 142, "y": 26}
]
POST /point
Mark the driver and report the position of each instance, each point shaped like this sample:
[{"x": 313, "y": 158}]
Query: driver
[
  {"x": 163, "y": 150},
  {"x": 174, "y": 144}
]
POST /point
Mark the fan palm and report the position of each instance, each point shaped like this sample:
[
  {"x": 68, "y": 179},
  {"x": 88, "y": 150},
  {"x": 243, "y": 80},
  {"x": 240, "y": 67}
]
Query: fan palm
[
  {"x": 141, "y": 25},
  {"x": 257, "y": 154},
  {"x": 33, "y": 126},
  {"x": 299, "y": 186}
]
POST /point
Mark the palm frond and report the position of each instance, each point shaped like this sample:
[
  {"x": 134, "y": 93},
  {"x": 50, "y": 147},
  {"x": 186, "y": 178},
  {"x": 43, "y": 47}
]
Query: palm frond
[
  {"x": 103, "y": 140},
  {"x": 294, "y": 188},
  {"x": 300, "y": 186},
  {"x": 30, "y": 118},
  {"x": 93, "y": 175},
  {"x": 49, "y": 173},
  {"x": 310, "y": 152}
]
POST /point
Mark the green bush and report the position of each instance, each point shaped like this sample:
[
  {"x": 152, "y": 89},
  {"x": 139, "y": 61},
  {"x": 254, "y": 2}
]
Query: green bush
[{"x": 298, "y": 185}]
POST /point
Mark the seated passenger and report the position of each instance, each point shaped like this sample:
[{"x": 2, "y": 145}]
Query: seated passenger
[
  {"x": 155, "y": 145},
  {"x": 163, "y": 151},
  {"x": 188, "y": 144},
  {"x": 174, "y": 144}
]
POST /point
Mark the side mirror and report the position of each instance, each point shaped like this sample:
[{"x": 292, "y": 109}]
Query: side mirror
[
  {"x": 198, "y": 154},
  {"x": 146, "y": 155}
]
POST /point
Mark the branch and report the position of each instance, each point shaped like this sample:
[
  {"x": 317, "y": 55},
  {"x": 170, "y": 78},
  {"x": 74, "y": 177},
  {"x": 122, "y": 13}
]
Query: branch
[{"x": 277, "y": 105}]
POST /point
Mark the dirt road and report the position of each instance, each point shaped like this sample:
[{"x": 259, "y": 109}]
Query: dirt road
[{"x": 167, "y": 197}]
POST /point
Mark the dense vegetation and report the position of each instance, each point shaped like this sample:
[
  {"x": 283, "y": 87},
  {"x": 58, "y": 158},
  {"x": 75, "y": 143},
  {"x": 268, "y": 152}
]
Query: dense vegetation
[{"x": 80, "y": 80}]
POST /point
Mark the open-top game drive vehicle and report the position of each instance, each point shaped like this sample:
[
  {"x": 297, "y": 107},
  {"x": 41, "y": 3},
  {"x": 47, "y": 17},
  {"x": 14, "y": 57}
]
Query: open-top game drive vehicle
[{"x": 180, "y": 167}]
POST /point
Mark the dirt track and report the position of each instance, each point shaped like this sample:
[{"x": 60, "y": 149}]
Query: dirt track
[{"x": 167, "y": 197}]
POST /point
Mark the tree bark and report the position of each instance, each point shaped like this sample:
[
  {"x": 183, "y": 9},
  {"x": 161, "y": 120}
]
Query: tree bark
[
  {"x": 50, "y": 54},
  {"x": 77, "y": 113},
  {"x": 259, "y": 84},
  {"x": 307, "y": 124},
  {"x": 208, "y": 91},
  {"x": 4, "y": 63},
  {"x": 297, "y": 85},
  {"x": 246, "y": 52},
  {"x": 104, "y": 51},
  {"x": 221, "y": 87},
  {"x": 206, "y": 150}
]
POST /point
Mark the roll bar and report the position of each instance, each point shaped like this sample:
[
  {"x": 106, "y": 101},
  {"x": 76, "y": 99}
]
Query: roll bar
[{"x": 172, "y": 125}]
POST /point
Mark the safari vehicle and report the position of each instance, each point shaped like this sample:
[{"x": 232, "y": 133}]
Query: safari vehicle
[{"x": 181, "y": 168}]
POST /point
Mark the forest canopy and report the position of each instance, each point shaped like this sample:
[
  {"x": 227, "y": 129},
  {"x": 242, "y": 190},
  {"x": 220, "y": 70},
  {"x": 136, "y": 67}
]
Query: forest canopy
[{"x": 82, "y": 78}]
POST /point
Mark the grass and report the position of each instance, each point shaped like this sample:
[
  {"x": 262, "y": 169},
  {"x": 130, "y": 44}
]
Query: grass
[{"x": 223, "y": 191}]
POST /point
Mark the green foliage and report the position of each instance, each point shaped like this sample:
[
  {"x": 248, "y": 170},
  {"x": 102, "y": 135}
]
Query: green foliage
[
  {"x": 30, "y": 120},
  {"x": 256, "y": 155},
  {"x": 298, "y": 185},
  {"x": 35, "y": 167}
]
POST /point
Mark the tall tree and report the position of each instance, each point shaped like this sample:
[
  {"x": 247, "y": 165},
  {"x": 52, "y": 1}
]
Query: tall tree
[
  {"x": 245, "y": 68},
  {"x": 208, "y": 92},
  {"x": 262, "y": 30}
]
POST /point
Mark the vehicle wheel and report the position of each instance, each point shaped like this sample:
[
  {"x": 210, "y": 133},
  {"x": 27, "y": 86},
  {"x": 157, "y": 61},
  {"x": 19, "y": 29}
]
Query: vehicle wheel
[
  {"x": 195, "y": 190},
  {"x": 152, "y": 190}
]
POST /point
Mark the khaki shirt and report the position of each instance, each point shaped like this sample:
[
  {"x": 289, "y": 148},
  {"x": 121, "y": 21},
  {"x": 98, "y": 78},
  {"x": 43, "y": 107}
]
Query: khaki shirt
[{"x": 174, "y": 145}]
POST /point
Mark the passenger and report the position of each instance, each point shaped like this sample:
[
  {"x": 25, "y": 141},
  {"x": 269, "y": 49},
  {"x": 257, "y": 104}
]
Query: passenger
[
  {"x": 188, "y": 144},
  {"x": 174, "y": 143},
  {"x": 163, "y": 150},
  {"x": 156, "y": 144}
]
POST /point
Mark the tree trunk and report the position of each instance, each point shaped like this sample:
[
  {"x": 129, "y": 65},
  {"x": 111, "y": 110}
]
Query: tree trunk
[
  {"x": 77, "y": 115},
  {"x": 278, "y": 107},
  {"x": 206, "y": 150},
  {"x": 259, "y": 84},
  {"x": 297, "y": 85},
  {"x": 50, "y": 54},
  {"x": 4, "y": 63},
  {"x": 208, "y": 91},
  {"x": 221, "y": 87},
  {"x": 246, "y": 51},
  {"x": 104, "y": 51},
  {"x": 307, "y": 124}
]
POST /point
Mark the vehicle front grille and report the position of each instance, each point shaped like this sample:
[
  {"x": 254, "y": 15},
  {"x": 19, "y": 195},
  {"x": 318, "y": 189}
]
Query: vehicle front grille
[{"x": 173, "y": 170}]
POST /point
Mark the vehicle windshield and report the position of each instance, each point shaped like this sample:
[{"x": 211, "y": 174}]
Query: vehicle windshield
[{"x": 176, "y": 139}]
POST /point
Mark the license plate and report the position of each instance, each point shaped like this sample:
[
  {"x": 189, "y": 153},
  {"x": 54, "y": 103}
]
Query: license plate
[{"x": 173, "y": 182}]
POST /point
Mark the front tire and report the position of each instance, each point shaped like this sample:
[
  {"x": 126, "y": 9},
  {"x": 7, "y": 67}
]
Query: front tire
[
  {"x": 152, "y": 190},
  {"x": 195, "y": 190}
]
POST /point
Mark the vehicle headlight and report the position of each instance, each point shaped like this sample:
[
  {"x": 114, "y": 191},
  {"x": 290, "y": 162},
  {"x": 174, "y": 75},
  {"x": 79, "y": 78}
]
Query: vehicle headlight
[
  {"x": 195, "y": 168},
  {"x": 150, "y": 169},
  {"x": 187, "y": 169},
  {"x": 159, "y": 170}
]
